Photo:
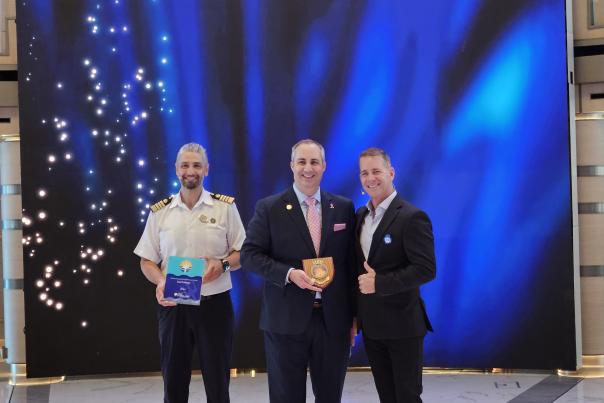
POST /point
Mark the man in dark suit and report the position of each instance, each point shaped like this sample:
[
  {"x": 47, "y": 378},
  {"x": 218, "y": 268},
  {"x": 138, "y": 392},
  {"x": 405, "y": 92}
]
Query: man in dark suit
[
  {"x": 304, "y": 326},
  {"x": 395, "y": 250}
]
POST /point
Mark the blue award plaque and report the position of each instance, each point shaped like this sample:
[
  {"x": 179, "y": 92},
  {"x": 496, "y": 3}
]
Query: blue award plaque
[{"x": 183, "y": 280}]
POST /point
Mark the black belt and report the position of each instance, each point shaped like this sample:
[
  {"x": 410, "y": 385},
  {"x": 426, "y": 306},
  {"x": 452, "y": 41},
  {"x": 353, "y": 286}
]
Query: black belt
[
  {"x": 317, "y": 303},
  {"x": 208, "y": 297}
]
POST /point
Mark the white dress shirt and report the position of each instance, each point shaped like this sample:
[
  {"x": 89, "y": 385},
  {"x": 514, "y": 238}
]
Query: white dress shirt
[
  {"x": 371, "y": 222},
  {"x": 212, "y": 228}
]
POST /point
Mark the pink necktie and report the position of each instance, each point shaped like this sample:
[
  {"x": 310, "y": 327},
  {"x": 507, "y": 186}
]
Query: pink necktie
[{"x": 314, "y": 223}]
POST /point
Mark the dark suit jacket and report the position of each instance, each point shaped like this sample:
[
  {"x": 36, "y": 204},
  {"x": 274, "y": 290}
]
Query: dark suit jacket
[
  {"x": 277, "y": 239},
  {"x": 402, "y": 255}
]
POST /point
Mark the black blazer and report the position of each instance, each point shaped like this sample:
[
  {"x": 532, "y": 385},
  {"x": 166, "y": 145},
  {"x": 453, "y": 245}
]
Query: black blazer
[
  {"x": 402, "y": 255},
  {"x": 277, "y": 239}
]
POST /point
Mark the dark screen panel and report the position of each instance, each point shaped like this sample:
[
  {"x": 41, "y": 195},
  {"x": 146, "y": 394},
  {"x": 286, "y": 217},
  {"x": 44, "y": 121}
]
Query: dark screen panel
[{"x": 469, "y": 98}]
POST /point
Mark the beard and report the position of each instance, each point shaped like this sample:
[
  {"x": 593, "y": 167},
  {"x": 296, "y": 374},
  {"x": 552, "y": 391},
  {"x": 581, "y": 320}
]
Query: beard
[{"x": 191, "y": 182}]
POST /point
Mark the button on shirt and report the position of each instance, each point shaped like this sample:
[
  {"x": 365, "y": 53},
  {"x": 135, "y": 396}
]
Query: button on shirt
[
  {"x": 212, "y": 228},
  {"x": 371, "y": 222}
]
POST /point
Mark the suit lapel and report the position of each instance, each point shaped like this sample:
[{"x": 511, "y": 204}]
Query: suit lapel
[
  {"x": 297, "y": 216},
  {"x": 328, "y": 207},
  {"x": 380, "y": 231}
]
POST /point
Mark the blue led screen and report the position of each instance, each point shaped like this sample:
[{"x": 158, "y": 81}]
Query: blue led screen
[{"x": 469, "y": 98}]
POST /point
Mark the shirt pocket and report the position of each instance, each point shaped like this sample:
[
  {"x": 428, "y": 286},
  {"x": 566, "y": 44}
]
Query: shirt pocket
[{"x": 211, "y": 240}]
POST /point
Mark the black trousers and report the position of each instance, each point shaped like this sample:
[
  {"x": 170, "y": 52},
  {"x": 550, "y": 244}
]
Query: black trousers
[
  {"x": 208, "y": 326},
  {"x": 396, "y": 366},
  {"x": 288, "y": 357}
]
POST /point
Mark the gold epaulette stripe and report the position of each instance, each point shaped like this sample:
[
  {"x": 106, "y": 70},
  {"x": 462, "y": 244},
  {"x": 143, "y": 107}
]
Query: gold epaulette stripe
[
  {"x": 223, "y": 198},
  {"x": 160, "y": 204}
]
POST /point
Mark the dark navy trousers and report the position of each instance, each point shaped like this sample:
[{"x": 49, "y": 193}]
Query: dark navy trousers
[
  {"x": 396, "y": 366},
  {"x": 209, "y": 327},
  {"x": 288, "y": 357}
]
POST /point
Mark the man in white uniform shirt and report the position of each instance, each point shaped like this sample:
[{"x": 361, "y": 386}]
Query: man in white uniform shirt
[{"x": 194, "y": 223}]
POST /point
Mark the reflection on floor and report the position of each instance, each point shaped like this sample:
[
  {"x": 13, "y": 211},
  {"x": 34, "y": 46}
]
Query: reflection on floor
[{"x": 359, "y": 388}]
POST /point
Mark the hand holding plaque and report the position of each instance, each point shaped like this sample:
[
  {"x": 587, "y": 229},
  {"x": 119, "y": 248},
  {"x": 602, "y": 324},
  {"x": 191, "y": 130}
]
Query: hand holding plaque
[{"x": 320, "y": 269}]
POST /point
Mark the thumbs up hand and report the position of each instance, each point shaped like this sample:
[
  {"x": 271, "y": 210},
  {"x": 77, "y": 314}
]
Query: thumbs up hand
[{"x": 367, "y": 281}]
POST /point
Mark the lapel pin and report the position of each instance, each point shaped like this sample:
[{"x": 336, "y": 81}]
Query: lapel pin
[
  {"x": 331, "y": 205},
  {"x": 213, "y": 220},
  {"x": 203, "y": 218},
  {"x": 387, "y": 239},
  {"x": 288, "y": 206}
]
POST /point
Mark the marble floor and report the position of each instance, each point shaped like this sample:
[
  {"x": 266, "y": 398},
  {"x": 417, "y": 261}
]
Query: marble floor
[{"x": 359, "y": 388}]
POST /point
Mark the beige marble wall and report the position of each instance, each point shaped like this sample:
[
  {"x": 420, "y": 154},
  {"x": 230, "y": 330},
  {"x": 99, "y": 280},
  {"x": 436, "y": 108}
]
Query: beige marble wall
[
  {"x": 8, "y": 33},
  {"x": 590, "y": 161}
]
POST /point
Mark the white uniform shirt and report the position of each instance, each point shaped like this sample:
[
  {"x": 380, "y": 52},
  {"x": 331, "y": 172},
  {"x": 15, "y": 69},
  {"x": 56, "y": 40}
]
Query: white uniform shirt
[
  {"x": 371, "y": 222},
  {"x": 211, "y": 229}
]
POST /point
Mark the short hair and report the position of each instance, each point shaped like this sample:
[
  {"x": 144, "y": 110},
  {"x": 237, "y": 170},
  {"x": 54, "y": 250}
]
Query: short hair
[
  {"x": 308, "y": 141},
  {"x": 193, "y": 148},
  {"x": 376, "y": 152}
]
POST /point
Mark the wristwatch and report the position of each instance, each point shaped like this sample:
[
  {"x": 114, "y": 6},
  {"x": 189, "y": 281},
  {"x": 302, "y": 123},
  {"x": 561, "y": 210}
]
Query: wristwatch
[{"x": 226, "y": 266}]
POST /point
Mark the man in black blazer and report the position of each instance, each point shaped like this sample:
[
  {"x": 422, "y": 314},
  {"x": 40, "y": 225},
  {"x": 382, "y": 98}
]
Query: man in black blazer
[
  {"x": 395, "y": 251},
  {"x": 304, "y": 326}
]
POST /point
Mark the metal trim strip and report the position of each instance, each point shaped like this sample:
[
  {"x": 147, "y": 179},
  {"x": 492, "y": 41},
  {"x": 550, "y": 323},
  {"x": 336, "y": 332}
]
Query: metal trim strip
[
  {"x": 590, "y": 170},
  {"x": 13, "y": 283},
  {"x": 16, "y": 189},
  {"x": 12, "y": 224},
  {"x": 9, "y": 137},
  {"x": 591, "y": 208},
  {"x": 592, "y": 271}
]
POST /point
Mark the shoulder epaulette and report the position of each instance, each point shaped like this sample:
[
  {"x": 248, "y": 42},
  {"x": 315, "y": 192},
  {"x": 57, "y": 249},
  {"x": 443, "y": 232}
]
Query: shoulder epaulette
[
  {"x": 161, "y": 204},
  {"x": 223, "y": 198}
]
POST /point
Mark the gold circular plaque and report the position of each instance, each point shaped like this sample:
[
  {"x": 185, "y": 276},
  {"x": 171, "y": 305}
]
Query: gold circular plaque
[{"x": 320, "y": 272}]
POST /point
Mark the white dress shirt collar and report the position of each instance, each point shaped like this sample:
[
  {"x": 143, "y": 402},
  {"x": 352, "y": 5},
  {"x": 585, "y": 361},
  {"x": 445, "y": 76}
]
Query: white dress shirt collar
[
  {"x": 204, "y": 198},
  {"x": 302, "y": 197},
  {"x": 383, "y": 206},
  {"x": 371, "y": 222}
]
